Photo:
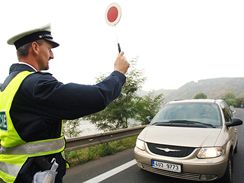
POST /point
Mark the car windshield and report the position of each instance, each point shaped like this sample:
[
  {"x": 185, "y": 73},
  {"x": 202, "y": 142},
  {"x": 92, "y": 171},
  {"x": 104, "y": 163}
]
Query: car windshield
[{"x": 205, "y": 115}]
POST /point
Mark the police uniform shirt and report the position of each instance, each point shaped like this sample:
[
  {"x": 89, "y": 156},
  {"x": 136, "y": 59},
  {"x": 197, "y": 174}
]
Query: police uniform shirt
[{"x": 42, "y": 102}]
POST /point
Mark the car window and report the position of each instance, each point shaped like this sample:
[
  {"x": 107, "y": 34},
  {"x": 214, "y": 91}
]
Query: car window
[{"x": 202, "y": 112}]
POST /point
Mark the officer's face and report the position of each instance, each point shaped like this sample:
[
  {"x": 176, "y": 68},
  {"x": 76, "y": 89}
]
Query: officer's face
[{"x": 45, "y": 54}]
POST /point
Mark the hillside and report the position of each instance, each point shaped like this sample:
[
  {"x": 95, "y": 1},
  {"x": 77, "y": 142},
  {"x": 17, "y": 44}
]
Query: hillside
[
  {"x": 213, "y": 88},
  {"x": 155, "y": 92}
]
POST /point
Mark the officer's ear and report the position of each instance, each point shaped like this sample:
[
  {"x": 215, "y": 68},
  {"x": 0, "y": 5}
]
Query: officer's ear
[{"x": 35, "y": 47}]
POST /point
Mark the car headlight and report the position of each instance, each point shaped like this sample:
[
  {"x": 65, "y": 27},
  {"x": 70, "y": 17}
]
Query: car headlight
[
  {"x": 140, "y": 144},
  {"x": 210, "y": 152}
]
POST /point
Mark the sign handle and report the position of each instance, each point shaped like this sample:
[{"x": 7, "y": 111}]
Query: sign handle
[{"x": 119, "y": 48}]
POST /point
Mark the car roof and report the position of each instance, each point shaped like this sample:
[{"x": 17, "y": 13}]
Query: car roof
[{"x": 218, "y": 101}]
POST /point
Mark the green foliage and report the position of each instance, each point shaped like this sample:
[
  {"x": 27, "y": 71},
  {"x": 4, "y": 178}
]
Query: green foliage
[
  {"x": 200, "y": 96},
  {"x": 94, "y": 152},
  {"x": 117, "y": 113},
  {"x": 147, "y": 106},
  {"x": 128, "y": 105},
  {"x": 71, "y": 128},
  {"x": 120, "y": 145},
  {"x": 231, "y": 99},
  {"x": 78, "y": 156}
]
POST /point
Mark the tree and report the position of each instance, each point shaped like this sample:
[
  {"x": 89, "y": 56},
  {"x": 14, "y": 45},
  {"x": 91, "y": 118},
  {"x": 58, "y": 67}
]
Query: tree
[
  {"x": 148, "y": 106},
  {"x": 230, "y": 99},
  {"x": 71, "y": 128},
  {"x": 127, "y": 106},
  {"x": 117, "y": 113},
  {"x": 200, "y": 96}
]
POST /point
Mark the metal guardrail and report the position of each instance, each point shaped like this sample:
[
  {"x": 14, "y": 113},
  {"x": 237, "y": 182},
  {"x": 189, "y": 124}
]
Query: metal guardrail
[{"x": 90, "y": 140}]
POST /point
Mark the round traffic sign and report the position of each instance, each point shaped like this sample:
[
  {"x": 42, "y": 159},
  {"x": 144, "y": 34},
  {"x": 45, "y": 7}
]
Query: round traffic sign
[{"x": 113, "y": 14}]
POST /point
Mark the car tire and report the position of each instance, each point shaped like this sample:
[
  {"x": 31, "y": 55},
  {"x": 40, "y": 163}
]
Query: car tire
[{"x": 228, "y": 176}]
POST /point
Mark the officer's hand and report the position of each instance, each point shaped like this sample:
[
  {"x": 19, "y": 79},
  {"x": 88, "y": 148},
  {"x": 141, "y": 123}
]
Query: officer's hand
[{"x": 121, "y": 64}]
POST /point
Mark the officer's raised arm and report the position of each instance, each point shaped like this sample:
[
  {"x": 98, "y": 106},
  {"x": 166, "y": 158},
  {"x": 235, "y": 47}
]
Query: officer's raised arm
[
  {"x": 34, "y": 103},
  {"x": 121, "y": 64}
]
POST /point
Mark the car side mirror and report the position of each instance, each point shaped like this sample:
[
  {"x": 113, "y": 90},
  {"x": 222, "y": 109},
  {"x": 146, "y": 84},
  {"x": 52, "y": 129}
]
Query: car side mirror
[
  {"x": 235, "y": 122},
  {"x": 148, "y": 119}
]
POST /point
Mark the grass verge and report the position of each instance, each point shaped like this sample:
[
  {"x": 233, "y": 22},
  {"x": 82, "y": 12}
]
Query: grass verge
[{"x": 84, "y": 155}]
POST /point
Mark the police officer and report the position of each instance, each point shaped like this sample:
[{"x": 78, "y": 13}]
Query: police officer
[{"x": 33, "y": 104}]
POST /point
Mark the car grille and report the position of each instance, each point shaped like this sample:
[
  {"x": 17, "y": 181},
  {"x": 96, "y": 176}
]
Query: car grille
[{"x": 168, "y": 150}]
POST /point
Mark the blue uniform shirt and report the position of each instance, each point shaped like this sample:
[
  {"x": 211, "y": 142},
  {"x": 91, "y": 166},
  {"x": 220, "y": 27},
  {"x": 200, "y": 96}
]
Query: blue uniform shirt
[{"x": 42, "y": 102}]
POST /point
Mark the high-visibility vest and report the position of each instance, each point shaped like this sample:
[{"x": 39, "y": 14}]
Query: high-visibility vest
[{"x": 14, "y": 151}]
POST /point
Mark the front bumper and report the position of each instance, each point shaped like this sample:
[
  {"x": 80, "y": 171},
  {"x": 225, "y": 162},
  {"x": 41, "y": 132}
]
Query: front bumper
[{"x": 192, "y": 168}]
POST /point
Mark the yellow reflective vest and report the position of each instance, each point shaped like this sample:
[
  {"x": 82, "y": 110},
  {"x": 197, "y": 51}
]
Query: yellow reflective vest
[{"x": 14, "y": 151}]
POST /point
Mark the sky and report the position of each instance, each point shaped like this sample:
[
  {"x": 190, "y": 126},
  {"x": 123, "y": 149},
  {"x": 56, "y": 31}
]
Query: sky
[{"x": 174, "y": 41}]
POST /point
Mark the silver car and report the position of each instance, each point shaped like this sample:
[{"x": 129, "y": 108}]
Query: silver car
[{"x": 190, "y": 139}]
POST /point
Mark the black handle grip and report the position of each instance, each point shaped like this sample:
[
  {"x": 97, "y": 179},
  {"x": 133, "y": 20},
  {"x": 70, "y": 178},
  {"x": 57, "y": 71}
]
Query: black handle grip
[{"x": 119, "y": 48}]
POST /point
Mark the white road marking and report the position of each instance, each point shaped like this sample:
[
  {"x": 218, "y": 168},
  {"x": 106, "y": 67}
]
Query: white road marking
[{"x": 112, "y": 172}]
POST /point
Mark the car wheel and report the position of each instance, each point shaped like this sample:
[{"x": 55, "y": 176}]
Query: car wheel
[{"x": 228, "y": 176}]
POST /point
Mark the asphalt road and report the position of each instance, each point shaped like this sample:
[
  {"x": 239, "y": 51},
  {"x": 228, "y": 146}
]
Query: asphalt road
[{"x": 106, "y": 166}]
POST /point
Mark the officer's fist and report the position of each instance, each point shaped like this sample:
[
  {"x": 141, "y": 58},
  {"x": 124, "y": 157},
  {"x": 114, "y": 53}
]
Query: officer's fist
[{"x": 121, "y": 64}]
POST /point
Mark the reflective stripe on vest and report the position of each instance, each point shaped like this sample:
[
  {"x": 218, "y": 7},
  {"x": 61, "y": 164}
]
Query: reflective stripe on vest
[
  {"x": 10, "y": 168},
  {"x": 35, "y": 147}
]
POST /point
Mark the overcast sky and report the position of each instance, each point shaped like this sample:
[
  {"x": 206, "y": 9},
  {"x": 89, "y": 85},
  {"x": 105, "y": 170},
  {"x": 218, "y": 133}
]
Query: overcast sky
[{"x": 175, "y": 41}]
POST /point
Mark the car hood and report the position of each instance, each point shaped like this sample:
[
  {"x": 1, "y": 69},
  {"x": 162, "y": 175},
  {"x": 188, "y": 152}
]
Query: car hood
[{"x": 180, "y": 136}]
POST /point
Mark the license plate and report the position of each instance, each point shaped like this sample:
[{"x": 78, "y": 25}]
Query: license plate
[{"x": 166, "y": 166}]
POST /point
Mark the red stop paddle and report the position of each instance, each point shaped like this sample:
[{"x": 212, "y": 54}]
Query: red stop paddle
[{"x": 113, "y": 14}]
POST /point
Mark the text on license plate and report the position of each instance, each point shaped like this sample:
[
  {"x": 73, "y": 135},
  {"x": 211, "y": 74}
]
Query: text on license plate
[{"x": 166, "y": 166}]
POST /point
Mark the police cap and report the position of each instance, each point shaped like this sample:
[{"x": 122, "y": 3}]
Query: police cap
[{"x": 33, "y": 35}]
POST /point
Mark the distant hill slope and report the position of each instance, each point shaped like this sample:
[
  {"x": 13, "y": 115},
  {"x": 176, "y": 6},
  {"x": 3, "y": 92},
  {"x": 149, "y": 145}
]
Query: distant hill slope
[
  {"x": 213, "y": 88},
  {"x": 155, "y": 92}
]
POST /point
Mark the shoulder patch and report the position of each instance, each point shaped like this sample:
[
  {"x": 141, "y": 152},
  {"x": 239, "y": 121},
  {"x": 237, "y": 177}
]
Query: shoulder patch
[{"x": 3, "y": 121}]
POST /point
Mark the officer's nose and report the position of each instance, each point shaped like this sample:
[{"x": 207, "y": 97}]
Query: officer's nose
[{"x": 51, "y": 54}]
